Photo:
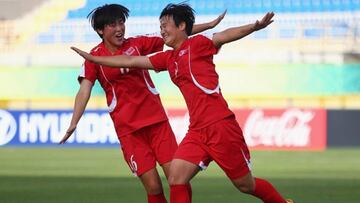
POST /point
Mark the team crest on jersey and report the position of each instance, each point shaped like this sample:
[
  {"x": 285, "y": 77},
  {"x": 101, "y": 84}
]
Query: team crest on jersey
[
  {"x": 129, "y": 51},
  {"x": 182, "y": 52}
]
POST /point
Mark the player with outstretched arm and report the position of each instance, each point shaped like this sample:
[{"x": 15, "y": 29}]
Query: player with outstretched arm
[
  {"x": 214, "y": 133},
  {"x": 134, "y": 103}
]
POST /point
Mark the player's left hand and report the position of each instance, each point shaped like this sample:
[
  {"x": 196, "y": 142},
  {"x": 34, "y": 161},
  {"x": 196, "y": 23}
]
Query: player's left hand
[
  {"x": 265, "y": 21},
  {"x": 218, "y": 19},
  {"x": 68, "y": 133}
]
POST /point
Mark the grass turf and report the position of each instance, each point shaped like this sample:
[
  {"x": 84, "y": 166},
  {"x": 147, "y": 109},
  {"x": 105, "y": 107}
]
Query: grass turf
[{"x": 66, "y": 175}]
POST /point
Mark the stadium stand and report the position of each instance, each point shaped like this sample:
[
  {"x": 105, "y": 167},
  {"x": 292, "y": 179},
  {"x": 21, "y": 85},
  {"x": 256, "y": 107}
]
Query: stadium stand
[
  {"x": 307, "y": 19},
  {"x": 329, "y": 25},
  {"x": 11, "y": 10},
  {"x": 213, "y": 7},
  {"x": 24, "y": 19},
  {"x": 304, "y": 32},
  {"x": 14, "y": 9}
]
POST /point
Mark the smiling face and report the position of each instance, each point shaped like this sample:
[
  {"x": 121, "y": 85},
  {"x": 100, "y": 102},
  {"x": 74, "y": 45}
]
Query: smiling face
[
  {"x": 113, "y": 35},
  {"x": 172, "y": 35}
]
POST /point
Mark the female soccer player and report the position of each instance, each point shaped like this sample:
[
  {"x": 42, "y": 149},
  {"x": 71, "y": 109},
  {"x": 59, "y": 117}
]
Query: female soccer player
[
  {"x": 214, "y": 133},
  {"x": 134, "y": 103}
]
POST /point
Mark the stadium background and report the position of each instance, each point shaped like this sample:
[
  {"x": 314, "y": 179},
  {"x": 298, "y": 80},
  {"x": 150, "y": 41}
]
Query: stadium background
[{"x": 294, "y": 86}]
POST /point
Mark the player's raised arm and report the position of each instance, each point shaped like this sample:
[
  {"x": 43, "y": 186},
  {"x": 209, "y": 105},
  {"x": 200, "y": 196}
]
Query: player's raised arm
[
  {"x": 117, "y": 61},
  {"x": 197, "y": 28},
  {"x": 236, "y": 33}
]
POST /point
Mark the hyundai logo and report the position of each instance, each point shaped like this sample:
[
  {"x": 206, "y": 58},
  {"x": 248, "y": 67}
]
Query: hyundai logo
[{"x": 7, "y": 127}]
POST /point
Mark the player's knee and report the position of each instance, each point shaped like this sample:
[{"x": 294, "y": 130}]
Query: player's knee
[
  {"x": 175, "y": 179},
  {"x": 244, "y": 186},
  {"x": 152, "y": 183},
  {"x": 246, "y": 189},
  {"x": 153, "y": 188},
  {"x": 172, "y": 180}
]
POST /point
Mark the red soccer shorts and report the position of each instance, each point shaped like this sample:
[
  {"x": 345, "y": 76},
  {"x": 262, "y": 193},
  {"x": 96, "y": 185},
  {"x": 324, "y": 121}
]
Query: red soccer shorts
[
  {"x": 148, "y": 145},
  {"x": 222, "y": 142}
]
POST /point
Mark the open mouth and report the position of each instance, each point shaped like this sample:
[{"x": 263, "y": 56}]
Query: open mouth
[
  {"x": 119, "y": 36},
  {"x": 164, "y": 37}
]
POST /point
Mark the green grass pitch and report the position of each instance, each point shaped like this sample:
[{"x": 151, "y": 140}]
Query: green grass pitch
[{"x": 93, "y": 175}]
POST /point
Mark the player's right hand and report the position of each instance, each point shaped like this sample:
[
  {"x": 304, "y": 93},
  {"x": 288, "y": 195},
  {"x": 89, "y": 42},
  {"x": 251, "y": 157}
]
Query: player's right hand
[
  {"x": 83, "y": 54},
  {"x": 264, "y": 22},
  {"x": 68, "y": 133}
]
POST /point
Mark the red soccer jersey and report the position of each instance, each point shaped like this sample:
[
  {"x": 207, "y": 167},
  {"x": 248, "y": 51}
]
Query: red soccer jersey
[
  {"x": 132, "y": 98},
  {"x": 192, "y": 69}
]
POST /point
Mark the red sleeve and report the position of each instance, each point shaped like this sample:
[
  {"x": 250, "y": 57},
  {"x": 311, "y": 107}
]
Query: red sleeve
[
  {"x": 204, "y": 45},
  {"x": 150, "y": 44},
  {"x": 88, "y": 71},
  {"x": 160, "y": 61}
]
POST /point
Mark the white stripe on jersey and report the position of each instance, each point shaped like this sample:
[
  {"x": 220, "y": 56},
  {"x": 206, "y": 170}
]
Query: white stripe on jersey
[
  {"x": 153, "y": 90},
  {"x": 204, "y": 89},
  {"x": 113, "y": 103},
  {"x": 248, "y": 163},
  {"x": 82, "y": 71}
]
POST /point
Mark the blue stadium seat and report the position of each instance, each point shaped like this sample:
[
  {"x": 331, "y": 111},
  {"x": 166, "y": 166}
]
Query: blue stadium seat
[
  {"x": 339, "y": 29},
  {"x": 286, "y": 30},
  {"x": 314, "y": 32},
  {"x": 45, "y": 38},
  {"x": 262, "y": 34},
  {"x": 211, "y": 7},
  {"x": 90, "y": 37}
]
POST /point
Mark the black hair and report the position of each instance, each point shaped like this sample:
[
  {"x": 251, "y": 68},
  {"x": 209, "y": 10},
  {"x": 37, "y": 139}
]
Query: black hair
[
  {"x": 106, "y": 15},
  {"x": 181, "y": 12}
]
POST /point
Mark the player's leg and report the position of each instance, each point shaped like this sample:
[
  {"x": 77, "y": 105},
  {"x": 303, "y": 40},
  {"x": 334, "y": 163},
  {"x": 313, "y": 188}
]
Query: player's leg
[
  {"x": 166, "y": 169},
  {"x": 153, "y": 186},
  {"x": 181, "y": 172},
  {"x": 257, "y": 187},
  {"x": 245, "y": 184},
  {"x": 141, "y": 160},
  {"x": 164, "y": 145},
  {"x": 188, "y": 160},
  {"x": 228, "y": 149}
]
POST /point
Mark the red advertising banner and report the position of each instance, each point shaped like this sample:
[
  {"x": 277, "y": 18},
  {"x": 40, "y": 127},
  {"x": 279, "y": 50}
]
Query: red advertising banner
[{"x": 270, "y": 129}]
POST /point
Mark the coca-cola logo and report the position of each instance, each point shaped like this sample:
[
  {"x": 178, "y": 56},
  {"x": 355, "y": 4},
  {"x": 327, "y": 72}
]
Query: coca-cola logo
[{"x": 290, "y": 128}]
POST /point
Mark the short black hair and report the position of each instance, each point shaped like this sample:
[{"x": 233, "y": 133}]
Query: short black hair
[
  {"x": 181, "y": 12},
  {"x": 106, "y": 15}
]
